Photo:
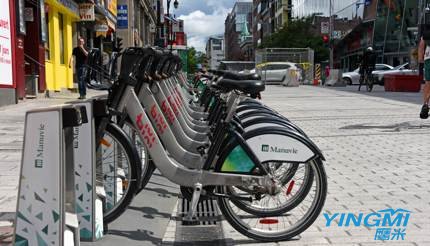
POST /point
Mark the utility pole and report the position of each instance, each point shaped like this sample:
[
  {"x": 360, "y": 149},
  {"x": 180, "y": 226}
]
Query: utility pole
[{"x": 331, "y": 29}]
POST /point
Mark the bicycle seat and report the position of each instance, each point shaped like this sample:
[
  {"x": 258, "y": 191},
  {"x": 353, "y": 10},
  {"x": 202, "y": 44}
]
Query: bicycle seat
[
  {"x": 237, "y": 76},
  {"x": 245, "y": 86}
]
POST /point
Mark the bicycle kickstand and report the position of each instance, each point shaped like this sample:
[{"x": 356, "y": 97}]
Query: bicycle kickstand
[{"x": 190, "y": 218}]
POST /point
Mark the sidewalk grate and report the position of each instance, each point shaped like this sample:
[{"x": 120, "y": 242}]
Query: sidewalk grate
[{"x": 207, "y": 211}]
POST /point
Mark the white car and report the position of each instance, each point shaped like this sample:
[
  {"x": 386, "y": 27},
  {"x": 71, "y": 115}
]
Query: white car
[
  {"x": 403, "y": 69},
  {"x": 351, "y": 78},
  {"x": 277, "y": 72}
]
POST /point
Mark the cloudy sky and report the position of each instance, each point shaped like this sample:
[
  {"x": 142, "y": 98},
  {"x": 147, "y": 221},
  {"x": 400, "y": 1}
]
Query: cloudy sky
[{"x": 203, "y": 18}]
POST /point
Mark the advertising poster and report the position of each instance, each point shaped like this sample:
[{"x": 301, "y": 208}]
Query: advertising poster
[{"x": 5, "y": 46}]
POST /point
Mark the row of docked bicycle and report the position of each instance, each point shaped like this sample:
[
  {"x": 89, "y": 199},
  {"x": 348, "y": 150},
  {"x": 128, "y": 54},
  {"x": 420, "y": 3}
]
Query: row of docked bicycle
[{"x": 213, "y": 138}]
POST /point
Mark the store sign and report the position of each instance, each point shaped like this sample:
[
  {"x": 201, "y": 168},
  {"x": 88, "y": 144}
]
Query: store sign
[
  {"x": 325, "y": 27},
  {"x": 21, "y": 18},
  {"x": 43, "y": 26},
  {"x": 5, "y": 46},
  {"x": 86, "y": 12},
  {"x": 122, "y": 17},
  {"x": 28, "y": 14},
  {"x": 112, "y": 6},
  {"x": 101, "y": 27}
]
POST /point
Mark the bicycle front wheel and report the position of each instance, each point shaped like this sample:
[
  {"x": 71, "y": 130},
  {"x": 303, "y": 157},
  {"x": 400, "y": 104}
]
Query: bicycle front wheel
[
  {"x": 118, "y": 171},
  {"x": 282, "y": 226}
]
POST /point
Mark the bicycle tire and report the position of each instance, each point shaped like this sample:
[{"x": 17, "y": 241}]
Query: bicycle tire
[
  {"x": 303, "y": 223},
  {"x": 292, "y": 202},
  {"x": 122, "y": 141}
]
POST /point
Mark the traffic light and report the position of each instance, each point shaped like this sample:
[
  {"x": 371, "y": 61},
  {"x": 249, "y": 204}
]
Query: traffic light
[
  {"x": 117, "y": 47},
  {"x": 326, "y": 39}
]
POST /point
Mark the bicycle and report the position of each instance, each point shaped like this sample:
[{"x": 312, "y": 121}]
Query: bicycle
[
  {"x": 242, "y": 162},
  {"x": 366, "y": 78}
]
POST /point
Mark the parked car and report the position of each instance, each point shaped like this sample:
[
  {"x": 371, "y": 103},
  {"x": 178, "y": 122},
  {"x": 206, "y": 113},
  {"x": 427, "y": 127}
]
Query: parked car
[
  {"x": 352, "y": 78},
  {"x": 403, "y": 69},
  {"x": 277, "y": 72}
]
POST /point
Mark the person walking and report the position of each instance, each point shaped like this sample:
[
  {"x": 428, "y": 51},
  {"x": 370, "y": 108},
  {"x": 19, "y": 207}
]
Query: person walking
[
  {"x": 80, "y": 55},
  {"x": 424, "y": 56}
]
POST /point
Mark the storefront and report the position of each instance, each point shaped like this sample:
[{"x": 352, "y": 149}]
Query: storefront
[{"x": 60, "y": 18}]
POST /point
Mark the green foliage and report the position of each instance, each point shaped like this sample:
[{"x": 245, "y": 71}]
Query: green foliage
[
  {"x": 194, "y": 58},
  {"x": 298, "y": 34}
]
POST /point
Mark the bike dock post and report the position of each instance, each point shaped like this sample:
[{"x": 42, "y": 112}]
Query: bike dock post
[
  {"x": 89, "y": 206},
  {"x": 46, "y": 198}
]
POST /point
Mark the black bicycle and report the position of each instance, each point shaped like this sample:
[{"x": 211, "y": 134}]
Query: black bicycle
[{"x": 366, "y": 79}]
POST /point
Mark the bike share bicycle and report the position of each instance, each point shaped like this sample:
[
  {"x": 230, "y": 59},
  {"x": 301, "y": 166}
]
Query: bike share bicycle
[{"x": 239, "y": 167}]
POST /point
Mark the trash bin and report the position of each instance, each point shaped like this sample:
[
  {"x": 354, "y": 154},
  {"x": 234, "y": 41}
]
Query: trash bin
[{"x": 31, "y": 85}]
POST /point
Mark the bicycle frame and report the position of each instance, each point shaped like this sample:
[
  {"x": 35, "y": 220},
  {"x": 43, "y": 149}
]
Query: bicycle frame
[{"x": 169, "y": 167}]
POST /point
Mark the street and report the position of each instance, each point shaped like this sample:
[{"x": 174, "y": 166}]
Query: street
[{"x": 377, "y": 157}]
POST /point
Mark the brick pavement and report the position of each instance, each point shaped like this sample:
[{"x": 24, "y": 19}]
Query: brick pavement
[{"x": 378, "y": 157}]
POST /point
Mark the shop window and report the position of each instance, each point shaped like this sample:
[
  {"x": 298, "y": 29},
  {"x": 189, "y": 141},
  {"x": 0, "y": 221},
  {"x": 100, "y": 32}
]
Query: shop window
[
  {"x": 61, "y": 36},
  {"x": 47, "y": 43}
]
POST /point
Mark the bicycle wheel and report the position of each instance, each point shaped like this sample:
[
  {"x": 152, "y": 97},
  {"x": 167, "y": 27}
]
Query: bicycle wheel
[
  {"x": 117, "y": 170},
  {"x": 361, "y": 82},
  {"x": 295, "y": 182},
  {"x": 283, "y": 226},
  {"x": 147, "y": 165},
  {"x": 369, "y": 84}
]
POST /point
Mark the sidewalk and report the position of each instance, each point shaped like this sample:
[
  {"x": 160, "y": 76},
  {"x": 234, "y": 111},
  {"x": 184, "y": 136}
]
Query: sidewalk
[{"x": 11, "y": 140}]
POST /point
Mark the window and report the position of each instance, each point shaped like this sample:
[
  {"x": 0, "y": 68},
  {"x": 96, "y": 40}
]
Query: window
[
  {"x": 382, "y": 67},
  {"x": 47, "y": 44},
  {"x": 277, "y": 66},
  {"x": 61, "y": 37}
]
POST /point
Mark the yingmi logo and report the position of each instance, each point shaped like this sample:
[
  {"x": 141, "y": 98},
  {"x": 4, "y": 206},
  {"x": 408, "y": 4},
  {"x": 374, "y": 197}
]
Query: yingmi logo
[{"x": 274, "y": 149}]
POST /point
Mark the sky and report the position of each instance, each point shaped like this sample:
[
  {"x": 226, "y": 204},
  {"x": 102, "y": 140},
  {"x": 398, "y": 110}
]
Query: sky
[{"x": 202, "y": 18}]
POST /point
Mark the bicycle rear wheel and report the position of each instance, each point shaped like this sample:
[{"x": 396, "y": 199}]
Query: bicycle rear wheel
[{"x": 118, "y": 171}]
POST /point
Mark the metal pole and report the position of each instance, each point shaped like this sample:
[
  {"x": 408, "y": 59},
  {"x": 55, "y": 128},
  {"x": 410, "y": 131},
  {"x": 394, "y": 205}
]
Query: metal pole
[
  {"x": 170, "y": 29},
  {"x": 331, "y": 34}
]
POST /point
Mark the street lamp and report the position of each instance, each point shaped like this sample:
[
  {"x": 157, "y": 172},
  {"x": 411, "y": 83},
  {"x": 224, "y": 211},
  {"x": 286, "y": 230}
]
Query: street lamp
[{"x": 169, "y": 39}]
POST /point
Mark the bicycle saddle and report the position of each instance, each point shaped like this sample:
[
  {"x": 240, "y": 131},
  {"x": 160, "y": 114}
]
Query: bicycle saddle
[
  {"x": 245, "y": 86},
  {"x": 236, "y": 75}
]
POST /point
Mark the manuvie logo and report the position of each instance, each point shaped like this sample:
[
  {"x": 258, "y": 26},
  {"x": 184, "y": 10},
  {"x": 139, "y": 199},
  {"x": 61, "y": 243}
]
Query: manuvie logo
[
  {"x": 265, "y": 148},
  {"x": 274, "y": 149}
]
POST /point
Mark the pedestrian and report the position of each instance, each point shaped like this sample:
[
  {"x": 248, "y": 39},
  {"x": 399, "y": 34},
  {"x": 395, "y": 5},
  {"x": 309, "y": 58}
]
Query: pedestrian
[
  {"x": 80, "y": 55},
  {"x": 424, "y": 56}
]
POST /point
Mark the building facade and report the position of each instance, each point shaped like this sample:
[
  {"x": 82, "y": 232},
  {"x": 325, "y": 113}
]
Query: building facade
[
  {"x": 138, "y": 22},
  {"x": 389, "y": 26},
  {"x": 238, "y": 31},
  {"x": 263, "y": 24},
  {"x": 215, "y": 51}
]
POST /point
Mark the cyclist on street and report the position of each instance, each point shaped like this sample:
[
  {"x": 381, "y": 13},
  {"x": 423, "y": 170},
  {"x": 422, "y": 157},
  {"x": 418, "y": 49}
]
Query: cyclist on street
[{"x": 367, "y": 65}]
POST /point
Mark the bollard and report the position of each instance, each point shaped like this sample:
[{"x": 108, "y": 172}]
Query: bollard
[
  {"x": 317, "y": 74},
  {"x": 89, "y": 207},
  {"x": 46, "y": 196}
]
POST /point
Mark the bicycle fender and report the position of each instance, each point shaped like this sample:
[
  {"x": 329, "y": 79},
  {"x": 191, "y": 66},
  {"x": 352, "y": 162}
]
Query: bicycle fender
[{"x": 278, "y": 144}]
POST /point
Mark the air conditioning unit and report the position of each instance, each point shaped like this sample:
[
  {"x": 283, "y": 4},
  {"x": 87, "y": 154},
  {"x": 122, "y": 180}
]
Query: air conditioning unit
[{"x": 152, "y": 28}]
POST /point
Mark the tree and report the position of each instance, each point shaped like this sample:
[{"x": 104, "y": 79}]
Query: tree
[
  {"x": 298, "y": 33},
  {"x": 195, "y": 57}
]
